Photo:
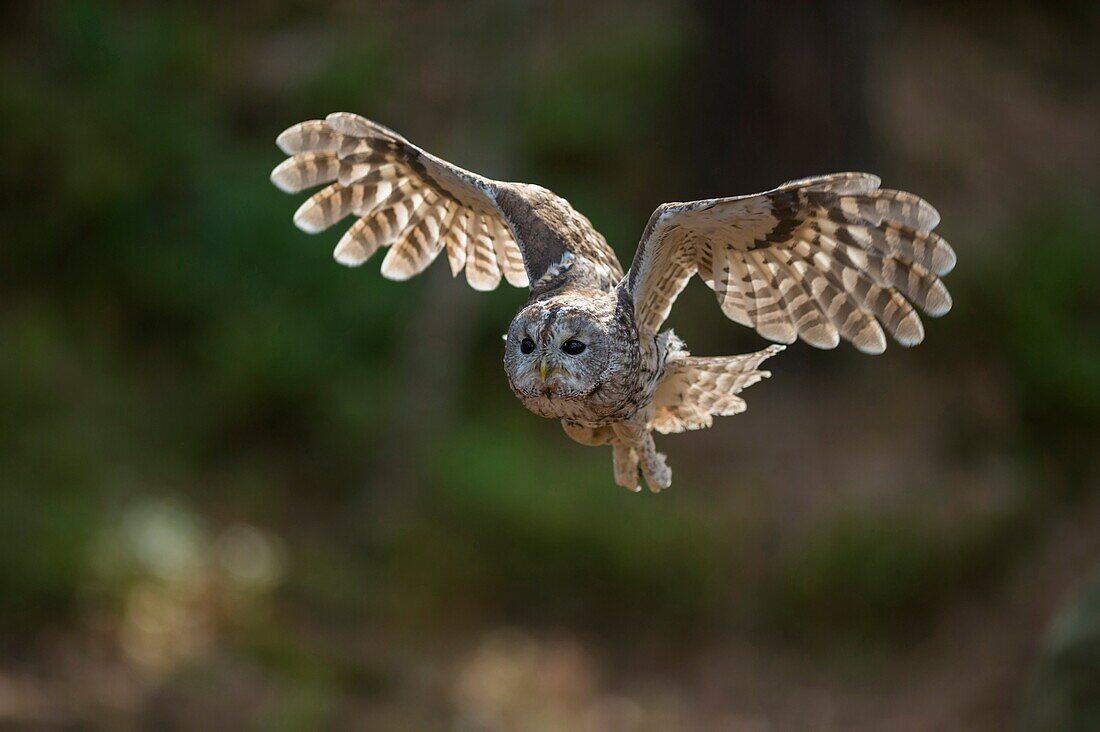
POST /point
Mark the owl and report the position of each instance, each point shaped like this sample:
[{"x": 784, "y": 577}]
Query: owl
[{"x": 818, "y": 259}]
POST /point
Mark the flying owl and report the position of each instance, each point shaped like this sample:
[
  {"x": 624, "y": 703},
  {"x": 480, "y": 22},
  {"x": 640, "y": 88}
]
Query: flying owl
[{"x": 819, "y": 259}]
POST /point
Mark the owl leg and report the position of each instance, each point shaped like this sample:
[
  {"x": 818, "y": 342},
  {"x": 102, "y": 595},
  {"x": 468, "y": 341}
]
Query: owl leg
[
  {"x": 658, "y": 475},
  {"x": 626, "y": 465},
  {"x": 637, "y": 437}
]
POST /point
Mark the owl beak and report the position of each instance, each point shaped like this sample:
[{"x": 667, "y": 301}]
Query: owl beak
[{"x": 544, "y": 368}]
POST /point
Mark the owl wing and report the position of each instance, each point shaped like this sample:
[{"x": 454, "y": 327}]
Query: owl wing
[
  {"x": 403, "y": 198},
  {"x": 818, "y": 259},
  {"x": 695, "y": 390}
]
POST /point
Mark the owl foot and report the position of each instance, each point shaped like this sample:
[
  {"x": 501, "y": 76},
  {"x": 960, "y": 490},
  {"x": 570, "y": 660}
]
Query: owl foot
[
  {"x": 629, "y": 460},
  {"x": 626, "y": 466},
  {"x": 658, "y": 475}
]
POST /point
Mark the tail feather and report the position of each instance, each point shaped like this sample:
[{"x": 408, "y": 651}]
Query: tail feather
[{"x": 695, "y": 390}]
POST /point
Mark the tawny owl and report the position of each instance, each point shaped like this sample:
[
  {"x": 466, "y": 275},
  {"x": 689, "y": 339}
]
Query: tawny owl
[{"x": 819, "y": 259}]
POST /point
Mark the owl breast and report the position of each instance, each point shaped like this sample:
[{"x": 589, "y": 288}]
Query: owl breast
[{"x": 606, "y": 405}]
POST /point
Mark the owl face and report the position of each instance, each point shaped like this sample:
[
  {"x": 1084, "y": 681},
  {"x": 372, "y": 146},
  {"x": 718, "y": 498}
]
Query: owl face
[{"x": 557, "y": 351}]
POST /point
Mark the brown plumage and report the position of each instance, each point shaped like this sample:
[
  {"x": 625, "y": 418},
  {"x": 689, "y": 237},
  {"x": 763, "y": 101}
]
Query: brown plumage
[{"x": 819, "y": 259}]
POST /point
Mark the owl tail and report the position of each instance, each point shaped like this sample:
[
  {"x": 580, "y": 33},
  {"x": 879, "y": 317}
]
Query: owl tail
[{"x": 694, "y": 390}]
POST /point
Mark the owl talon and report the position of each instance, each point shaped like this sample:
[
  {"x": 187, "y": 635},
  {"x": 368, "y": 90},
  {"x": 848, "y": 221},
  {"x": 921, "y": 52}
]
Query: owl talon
[
  {"x": 631, "y": 484},
  {"x": 658, "y": 475}
]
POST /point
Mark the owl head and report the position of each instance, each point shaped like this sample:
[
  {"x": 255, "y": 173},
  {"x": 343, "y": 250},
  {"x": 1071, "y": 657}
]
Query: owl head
[{"x": 559, "y": 349}]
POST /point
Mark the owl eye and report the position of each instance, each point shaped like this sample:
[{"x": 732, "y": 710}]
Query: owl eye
[
  {"x": 526, "y": 345},
  {"x": 573, "y": 347}
]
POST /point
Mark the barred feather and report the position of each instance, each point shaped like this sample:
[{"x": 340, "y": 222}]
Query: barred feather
[
  {"x": 731, "y": 298},
  {"x": 482, "y": 270},
  {"x": 456, "y": 240},
  {"x": 812, "y": 324},
  {"x": 382, "y": 217},
  {"x": 773, "y": 315},
  {"x": 852, "y": 317},
  {"x": 401, "y": 261},
  {"x": 310, "y": 136},
  {"x": 508, "y": 255},
  {"x": 322, "y": 210},
  {"x": 305, "y": 170}
]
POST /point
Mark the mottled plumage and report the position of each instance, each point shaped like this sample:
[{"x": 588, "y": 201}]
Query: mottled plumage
[{"x": 820, "y": 259}]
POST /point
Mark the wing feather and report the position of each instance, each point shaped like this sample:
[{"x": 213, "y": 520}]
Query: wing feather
[
  {"x": 771, "y": 315},
  {"x": 813, "y": 326},
  {"x": 731, "y": 298},
  {"x": 482, "y": 270},
  {"x": 413, "y": 247},
  {"x": 306, "y": 170},
  {"x": 379, "y": 223},
  {"x": 456, "y": 240},
  {"x": 851, "y": 317},
  {"x": 309, "y": 136}
]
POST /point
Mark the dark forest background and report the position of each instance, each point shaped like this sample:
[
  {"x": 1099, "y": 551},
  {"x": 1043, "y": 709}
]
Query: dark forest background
[{"x": 242, "y": 486}]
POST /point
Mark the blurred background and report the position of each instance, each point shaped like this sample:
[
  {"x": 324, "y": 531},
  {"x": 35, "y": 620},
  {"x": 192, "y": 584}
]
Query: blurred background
[{"x": 242, "y": 486}]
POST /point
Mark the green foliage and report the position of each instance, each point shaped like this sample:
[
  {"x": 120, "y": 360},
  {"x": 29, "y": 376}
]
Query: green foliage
[
  {"x": 533, "y": 530},
  {"x": 1038, "y": 301},
  {"x": 1049, "y": 260},
  {"x": 1064, "y": 694},
  {"x": 176, "y": 359},
  {"x": 865, "y": 577},
  {"x": 164, "y": 326},
  {"x": 594, "y": 100}
]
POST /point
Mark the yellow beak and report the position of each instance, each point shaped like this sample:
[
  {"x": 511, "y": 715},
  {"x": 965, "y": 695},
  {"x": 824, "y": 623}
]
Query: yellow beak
[{"x": 544, "y": 368}]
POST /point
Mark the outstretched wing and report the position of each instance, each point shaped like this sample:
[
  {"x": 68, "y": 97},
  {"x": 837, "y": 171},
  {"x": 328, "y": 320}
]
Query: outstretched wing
[
  {"x": 695, "y": 390},
  {"x": 403, "y": 198},
  {"x": 818, "y": 259}
]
